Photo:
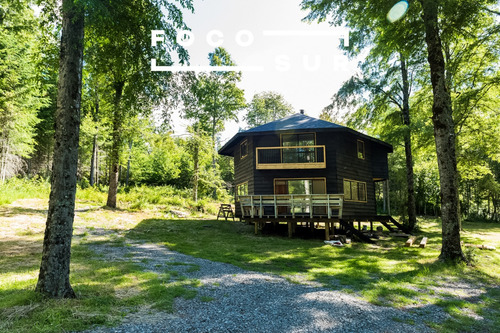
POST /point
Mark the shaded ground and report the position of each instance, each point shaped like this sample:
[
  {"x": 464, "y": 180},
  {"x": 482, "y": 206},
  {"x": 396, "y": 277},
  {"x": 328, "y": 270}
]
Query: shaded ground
[
  {"x": 234, "y": 300},
  {"x": 123, "y": 266}
]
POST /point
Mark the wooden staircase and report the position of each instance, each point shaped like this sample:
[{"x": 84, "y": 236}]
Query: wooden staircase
[
  {"x": 355, "y": 232},
  {"x": 394, "y": 226},
  {"x": 388, "y": 221}
]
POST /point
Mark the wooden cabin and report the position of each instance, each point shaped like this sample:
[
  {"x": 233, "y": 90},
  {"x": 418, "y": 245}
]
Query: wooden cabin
[{"x": 302, "y": 169}]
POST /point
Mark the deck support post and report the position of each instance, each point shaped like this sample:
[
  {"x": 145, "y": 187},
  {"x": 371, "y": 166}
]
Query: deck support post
[
  {"x": 327, "y": 231},
  {"x": 256, "y": 226},
  {"x": 290, "y": 229}
]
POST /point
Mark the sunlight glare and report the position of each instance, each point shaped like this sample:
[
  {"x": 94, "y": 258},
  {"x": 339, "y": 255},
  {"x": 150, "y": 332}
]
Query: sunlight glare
[{"x": 397, "y": 11}]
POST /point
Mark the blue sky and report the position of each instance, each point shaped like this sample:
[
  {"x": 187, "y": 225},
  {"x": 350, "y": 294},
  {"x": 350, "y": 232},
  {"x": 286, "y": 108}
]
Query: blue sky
[{"x": 306, "y": 70}]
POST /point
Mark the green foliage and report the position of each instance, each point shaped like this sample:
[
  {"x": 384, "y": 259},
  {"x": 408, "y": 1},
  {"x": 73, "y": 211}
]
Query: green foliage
[
  {"x": 23, "y": 188},
  {"x": 374, "y": 98},
  {"x": 266, "y": 107},
  {"x": 213, "y": 98},
  {"x": 21, "y": 95}
]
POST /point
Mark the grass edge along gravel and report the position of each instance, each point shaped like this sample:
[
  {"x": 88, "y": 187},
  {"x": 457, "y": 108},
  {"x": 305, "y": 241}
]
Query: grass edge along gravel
[
  {"x": 388, "y": 273},
  {"x": 106, "y": 292}
]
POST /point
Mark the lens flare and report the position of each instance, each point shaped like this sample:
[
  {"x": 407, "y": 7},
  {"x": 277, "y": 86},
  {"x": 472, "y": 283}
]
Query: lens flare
[{"x": 397, "y": 11}]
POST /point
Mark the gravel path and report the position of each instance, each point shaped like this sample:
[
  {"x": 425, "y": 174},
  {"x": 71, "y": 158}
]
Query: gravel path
[{"x": 244, "y": 301}]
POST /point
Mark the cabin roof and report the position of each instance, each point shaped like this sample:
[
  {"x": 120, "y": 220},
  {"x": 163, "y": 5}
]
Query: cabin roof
[{"x": 295, "y": 122}]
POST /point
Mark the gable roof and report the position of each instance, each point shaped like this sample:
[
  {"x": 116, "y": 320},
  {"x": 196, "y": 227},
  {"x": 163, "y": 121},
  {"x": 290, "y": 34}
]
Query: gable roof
[{"x": 294, "y": 122}]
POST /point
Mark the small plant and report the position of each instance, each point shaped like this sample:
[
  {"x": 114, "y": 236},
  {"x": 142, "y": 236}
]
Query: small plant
[{"x": 471, "y": 256}]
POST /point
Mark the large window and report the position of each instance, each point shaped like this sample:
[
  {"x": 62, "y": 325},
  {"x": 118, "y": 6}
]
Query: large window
[
  {"x": 300, "y": 186},
  {"x": 354, "y": 190},
  {"x": 299, "y": 155}
]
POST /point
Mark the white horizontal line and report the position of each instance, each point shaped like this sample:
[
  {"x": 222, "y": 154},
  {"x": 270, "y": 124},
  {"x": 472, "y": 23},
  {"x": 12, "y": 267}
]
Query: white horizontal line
[
  {"x": 197, "y": 69},
  {"x": 304, "y": 33}
]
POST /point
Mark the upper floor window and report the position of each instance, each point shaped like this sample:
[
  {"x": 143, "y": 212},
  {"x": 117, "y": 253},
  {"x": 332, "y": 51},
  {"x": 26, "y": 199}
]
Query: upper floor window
[
  {"x": 303, "y": 154},
  {"x": 298, "y": 139},
  {"x": 244, "y": 149},
  {"x": 361, "y": 150}
]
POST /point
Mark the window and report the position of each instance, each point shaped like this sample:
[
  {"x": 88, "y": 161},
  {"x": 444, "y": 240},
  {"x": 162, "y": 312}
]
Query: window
[
  {"x": 242, "y": 189},
  {"x": 354, "y": 190},
  {"x": 300, "y": 186},
  {"x": 298, "y": 139},
  {"x": 244, "y": 149},
  {"x": 299, "y": 155},
  {"x": 361, "y": 150}
]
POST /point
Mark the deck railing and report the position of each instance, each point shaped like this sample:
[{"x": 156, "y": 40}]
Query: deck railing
[
  {"x": 292, "y": 205},
  {"x": 291, "y": 157}
]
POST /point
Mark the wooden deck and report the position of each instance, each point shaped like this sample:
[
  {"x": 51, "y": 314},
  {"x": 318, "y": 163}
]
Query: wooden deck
[
  {"x": 292, "y": 205},
  {"x": 315, "y": 211}
]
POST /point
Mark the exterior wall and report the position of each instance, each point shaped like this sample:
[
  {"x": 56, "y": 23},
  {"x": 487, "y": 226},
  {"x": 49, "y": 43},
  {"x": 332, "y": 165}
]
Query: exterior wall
[
  {"x": 380, "y": 165},
  {"x": 244, "y": 169},
  {"x": 349, "y": 166},
  {"x": 264, "y": 179},
  {"x": 342, "y": 163}
]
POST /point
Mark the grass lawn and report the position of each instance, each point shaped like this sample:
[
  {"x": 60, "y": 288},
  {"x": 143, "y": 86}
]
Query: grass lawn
[{"x": 386, "y": 274}]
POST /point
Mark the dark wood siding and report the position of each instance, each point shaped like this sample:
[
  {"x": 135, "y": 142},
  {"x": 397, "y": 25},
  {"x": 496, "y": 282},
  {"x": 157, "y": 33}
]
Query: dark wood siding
[
  {"x": 342, "y": 162},
  {"x": 264, "y": 179},
  {"x": 379, "y": 162},
  {"x": 349, "y": 166},
  {"x": 244, "y": 169}
]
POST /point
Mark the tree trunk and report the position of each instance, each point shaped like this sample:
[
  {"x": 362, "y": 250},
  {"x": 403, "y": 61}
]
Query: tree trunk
[
  {"x": 214, "y": 152},
  {"x": 412, "y": 211},
  {"x": 128, "y": 162},
  {"x": 3, "y": 164},
  {"x": 196, "y": 170},
  {"x": 115, "y": 147},
  {"x": 53, "y": 279},
  {"x": 444, "y": 134},
  {"x": 93, "y": 161}
]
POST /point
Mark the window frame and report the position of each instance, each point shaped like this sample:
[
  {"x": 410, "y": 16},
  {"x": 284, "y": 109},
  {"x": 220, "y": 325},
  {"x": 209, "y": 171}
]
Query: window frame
[
  {"x": 358, "y": 152},
  {"x": 299, "y": 178},
  {"x": 297, "y": 144},
  {"x": 244, "y": 142},
  {"x": 245, "y": 185},
  {"x": 357, "y": 182}
]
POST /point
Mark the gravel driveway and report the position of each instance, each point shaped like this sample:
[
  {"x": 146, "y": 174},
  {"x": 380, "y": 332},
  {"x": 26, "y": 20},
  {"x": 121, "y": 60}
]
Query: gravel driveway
[{"x": 234, "y": 300}]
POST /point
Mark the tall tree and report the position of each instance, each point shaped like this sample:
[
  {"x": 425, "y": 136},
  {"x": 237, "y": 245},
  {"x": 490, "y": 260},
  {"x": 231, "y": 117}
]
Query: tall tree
[
  {"x": 455, "y": 17},
  {"x": 125, "y": 59},
  {"x": 53, "y": 279},
  {"x": 213, "y": 98},
  {"x": 265, "y": 107},
  {"x": 444, "y": 133}
]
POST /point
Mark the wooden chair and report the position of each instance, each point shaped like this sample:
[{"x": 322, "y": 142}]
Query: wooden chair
[{"x": 225, "y": 211}]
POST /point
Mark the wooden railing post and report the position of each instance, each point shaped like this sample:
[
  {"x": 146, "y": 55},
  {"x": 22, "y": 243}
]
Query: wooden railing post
[
  {"x": 251, "y": 207},
  {"x": 260, "y": 207}
]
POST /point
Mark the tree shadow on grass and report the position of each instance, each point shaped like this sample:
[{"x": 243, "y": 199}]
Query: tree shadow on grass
[{"x": 388, "y": 274}]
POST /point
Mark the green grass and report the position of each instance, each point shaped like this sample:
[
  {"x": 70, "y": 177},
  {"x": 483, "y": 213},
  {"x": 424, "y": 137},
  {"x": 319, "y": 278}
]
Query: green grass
[
  {"x": 106, "y": 291},
  {"x": 134, "y": 198},
  {"x": 385, "y": 274},
  {"x": 388, "y": 273},
  {"x": 22, "y": 188}
]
